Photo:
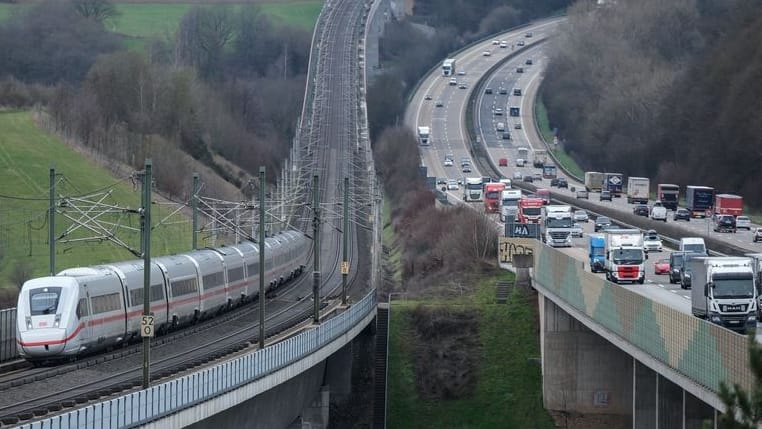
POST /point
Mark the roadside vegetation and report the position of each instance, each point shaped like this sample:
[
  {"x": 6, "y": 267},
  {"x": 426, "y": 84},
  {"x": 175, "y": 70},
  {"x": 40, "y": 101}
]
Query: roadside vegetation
[
  {"x": 466, "y": 362},
  {"x": 543, "y": 123},
  {"x": 665, "y": 89}
]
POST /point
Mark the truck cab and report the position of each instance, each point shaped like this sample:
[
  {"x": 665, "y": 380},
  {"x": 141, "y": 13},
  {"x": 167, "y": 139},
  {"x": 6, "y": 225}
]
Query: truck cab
[
  {"x": 625, "y": 257},
  {"x": 557, "y": 226},
  {"x": 472, "y": 189},
  {"x": 509, "y": 204},
  {"x": 597, "y": 253},
  {"x": 724, "y": 291},
  {"x": 530, "y": 210}
]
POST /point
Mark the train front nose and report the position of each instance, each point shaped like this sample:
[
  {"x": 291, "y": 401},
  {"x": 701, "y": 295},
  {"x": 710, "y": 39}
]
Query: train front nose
[{"x": 39, "y": 343}]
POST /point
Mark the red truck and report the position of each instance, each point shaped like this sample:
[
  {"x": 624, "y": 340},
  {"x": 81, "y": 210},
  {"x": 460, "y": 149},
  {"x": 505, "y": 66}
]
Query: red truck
[{"x": 728, "y": 204}]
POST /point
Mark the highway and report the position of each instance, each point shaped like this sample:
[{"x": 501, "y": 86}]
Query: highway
[{"x": 449, "y": 136}]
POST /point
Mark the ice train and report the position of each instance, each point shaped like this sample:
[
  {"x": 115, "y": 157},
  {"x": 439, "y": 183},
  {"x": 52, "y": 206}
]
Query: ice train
[{"x": 81, "y": 310}]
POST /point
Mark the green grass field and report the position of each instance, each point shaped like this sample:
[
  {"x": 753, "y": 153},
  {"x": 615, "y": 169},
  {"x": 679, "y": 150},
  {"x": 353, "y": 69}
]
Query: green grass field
[
  {"x": 508, "y": 393},
  {"x": 543, "y": 123},
  {"x": 26, "y": 153}
]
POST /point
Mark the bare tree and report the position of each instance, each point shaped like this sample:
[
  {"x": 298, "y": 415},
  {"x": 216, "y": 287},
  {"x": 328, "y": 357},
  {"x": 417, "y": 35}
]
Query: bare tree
[{"x": 97, "y": 10}]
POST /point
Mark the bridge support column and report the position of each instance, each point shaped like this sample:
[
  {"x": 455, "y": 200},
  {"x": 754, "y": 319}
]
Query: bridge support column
[
  {"x": 582, "y": 372},
  {"x": 338, "y": 373}
]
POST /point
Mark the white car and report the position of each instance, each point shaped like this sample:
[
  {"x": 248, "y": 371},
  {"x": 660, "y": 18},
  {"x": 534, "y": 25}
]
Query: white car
[
  {"x": 517, "y": 175},
  {"x": 580, "y": 216},
  {"x": 486, "y": 53},
  {"x": 461, "y": 73},
  {"x": 659, "y": 212},
  {"x": 495, "y": 42},
  {"x": 503, "y": 45},
  {"x": 520, "y": 162},
  {"x": 452, "y": 185},
  {"x": 448, "y": 162},
  {"x": 652, "y": 242},
  {"x": 453, "y": 81},
  {"x": 743, "y": 222},
  {"x": 577, "y": 230}
]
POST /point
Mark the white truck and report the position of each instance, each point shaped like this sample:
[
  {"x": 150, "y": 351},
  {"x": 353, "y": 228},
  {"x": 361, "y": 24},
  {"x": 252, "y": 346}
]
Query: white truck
[
  {"x": 756, "y": 260},
  {"x": 638, "y": 189},
  {"x": 557, "y": 226},
  {"x": 594, "y": 181},
  {"x": 625, "y": 257},
  {"x": 509, "y": 203},
  {"x": 424, "y": 136},
  {"x": 723, "y": 291},
  {"x": 472, "y": 189},
  {"x": 523, "y": 157},
  {"x": 540, "y": 158}
]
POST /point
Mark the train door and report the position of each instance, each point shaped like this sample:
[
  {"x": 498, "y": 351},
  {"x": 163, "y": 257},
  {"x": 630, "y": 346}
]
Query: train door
[{"x": 84, "y": 312}]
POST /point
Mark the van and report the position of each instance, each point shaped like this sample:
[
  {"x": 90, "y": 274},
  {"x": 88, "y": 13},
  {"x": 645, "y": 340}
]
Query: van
[
  {"x": 500, "y": 126},
  {"x": 693, "y": 244},
  {"x": 659, "y": 213}
]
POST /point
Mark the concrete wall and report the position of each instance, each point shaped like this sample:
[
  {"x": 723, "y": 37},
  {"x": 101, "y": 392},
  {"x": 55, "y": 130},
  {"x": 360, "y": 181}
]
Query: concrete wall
[{"x": 582, "y": 372}]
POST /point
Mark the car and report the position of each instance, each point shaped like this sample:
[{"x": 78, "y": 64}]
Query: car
[
  {"x": 502, "y": 91},
  {"x": 743, "y": 222},
  {"x": 462, "y": 86},
  {"x": 517, "y": 92},
  {"x": 461, "y": 73},
  {"x": 582, "y": 195},
  {"x": 520, "y": 162},
  {"x": 676, "y": 261},
  {"x": 519, "y": 69},
  {"x": 577, "y": 230},
  {"x": 466, "y": 168},
  {"x": 453, "y": 81},
  {"x": 427, "y": 97},
  {"x": 682, "y": 214},
  {"x": 652, "y": 242},
  {"x": 465, "y": 160},
  {"x": 500, "y": 126},
  {"x": 724, "y": 223},
  {"x": 659, "y": 212},
  {"x": 562, "y": 183},
  {"x": 661, "y": 266},
  {"x": 640, "y": 210},
  {"x": 580, "y": 216},
  {"x": 486, "y": 53},
  {"x": 601, "y": 223},
  {"x": 495, "y": 42},
  {"x": 448, "y": 162},
  {"x": 517, "y": 175},
  {"x": 517, "y": 125},
  {"x": 554, "y": 181},
  {"x": 604, "y": 196},
  {"x": 488, "y": 90},
  {"x": 503, "y": 44},
  {"x": 529, "y": 34},
  {"x": 528, "y": 178},
  {"x": 756, "y": 234},
  {"x": 537, "y": 177},
  {"x": 441, "y": 181},
  {"x": 439, "y": 103},
  {"x": 520, "y": 43},
  {"x": 498, "y": 111},
  {"x": 506, "y": 136},
  {"x": 528, "y": 62},
  {"x": 502, "y": 162},
  {"x": 452, "y": 185}
]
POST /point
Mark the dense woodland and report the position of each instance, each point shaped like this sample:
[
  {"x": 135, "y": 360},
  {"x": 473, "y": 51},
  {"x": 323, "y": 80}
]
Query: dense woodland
[
  {"x": 668, "y": 89},
  {"x": 225, "y": 90}
]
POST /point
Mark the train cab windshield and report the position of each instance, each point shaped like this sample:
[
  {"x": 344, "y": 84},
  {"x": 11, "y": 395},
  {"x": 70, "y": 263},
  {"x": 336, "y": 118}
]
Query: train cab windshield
[{"x": 44, "y": 300}]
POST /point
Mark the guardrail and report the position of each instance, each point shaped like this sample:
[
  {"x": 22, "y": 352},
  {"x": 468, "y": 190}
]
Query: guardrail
[
  {"x": 8, "y": 348},
  {"x": 151, "y": 404}
]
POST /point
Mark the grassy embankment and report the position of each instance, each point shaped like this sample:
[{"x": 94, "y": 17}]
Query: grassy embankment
[
  {"x": 508, "y": 387},
  {"x": 543, "y": 123},
  {"x": 26, "y": 153}
]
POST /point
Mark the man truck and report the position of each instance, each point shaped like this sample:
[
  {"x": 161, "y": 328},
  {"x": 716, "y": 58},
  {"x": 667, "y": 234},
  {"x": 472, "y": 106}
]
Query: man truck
[
  {"x": 472, "y": 189},
  {"x": 557, "y": 226},
  {"x": 509, "y": 204},
  {"x": 637, "y": 190},
  {"x": 625, "y": 257},
  {"x": 668, "y": 194},
  {"x": 723, "y": 291}
]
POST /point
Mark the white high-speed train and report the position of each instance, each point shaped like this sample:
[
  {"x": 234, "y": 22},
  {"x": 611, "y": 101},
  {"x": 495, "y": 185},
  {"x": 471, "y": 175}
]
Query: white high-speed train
[{"x": 81, "y": 310}]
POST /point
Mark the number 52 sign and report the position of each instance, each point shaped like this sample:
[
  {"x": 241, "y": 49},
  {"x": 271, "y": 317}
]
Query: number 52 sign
[{"x": 146, "y": 326}]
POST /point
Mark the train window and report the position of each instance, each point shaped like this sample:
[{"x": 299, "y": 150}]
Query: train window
[
  {"x": 106, "y": 303},
  {"x": 235, "y": 274},
  {"x": 44, "y": 300},
  {"x": 136, "y": 295},
  {"x": 184, "y": 287},
  {"x": 214, "y": 280},
  {"x": 253, "y": 269},
  {"x": 82, "y": 309},
  {"x": 157, "y": 292}
]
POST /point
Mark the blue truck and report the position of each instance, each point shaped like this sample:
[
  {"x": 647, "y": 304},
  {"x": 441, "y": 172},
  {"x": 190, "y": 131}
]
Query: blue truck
[
  {"x": 613, "y": 182},
  {"x": 597, "y": 253}
]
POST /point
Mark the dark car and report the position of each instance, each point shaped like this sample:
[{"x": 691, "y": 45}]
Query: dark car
[
  {"x": 554, "y": 182},
  {"x": 640, "y": 210},
  {"x": 562, "y": 183},
  {"x": 528, "y": 62},
  {"x": 682, "y": 214},
  {"x": 601, "y": 223},
  {"x": 676, "y": 260},
  {"x": 528, "y": 179},
  {"x": 488, "y": 91},
  {"x": 506, "y": 136},
  {"x": 502, "y": 91},
  {"x": 725, "y": 223},
  {"x": 605, "y": 196}
]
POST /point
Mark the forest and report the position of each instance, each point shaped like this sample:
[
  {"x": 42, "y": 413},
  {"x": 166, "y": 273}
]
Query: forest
[{"x": 667, "y": 89}]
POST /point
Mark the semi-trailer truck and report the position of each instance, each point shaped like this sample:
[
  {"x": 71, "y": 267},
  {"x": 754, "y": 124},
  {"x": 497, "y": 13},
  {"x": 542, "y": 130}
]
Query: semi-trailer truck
[
  {"x": 540, "y": 158},
  {"x": 549, "y": 171},
  {"x": 638, "y": 189},
  {"x": 509, "y": 204},
  {"x": 530, "y": 210},
  {"x": 424, "y": 136},
  {"x": 699, "y": 200},
  {"x": 625, "y": 257},
  {"x": 668, "y": 194},
  {"x": 594, "y": 181},
  {"x": 613, "y": 182},
  {"x": 728, "y": 204},
  {"x": 723, "y": 291},
  {"x": 557, "y": 226},
  {"x": 492, "y": 193},
  {"x": 472, "y": 189}
]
